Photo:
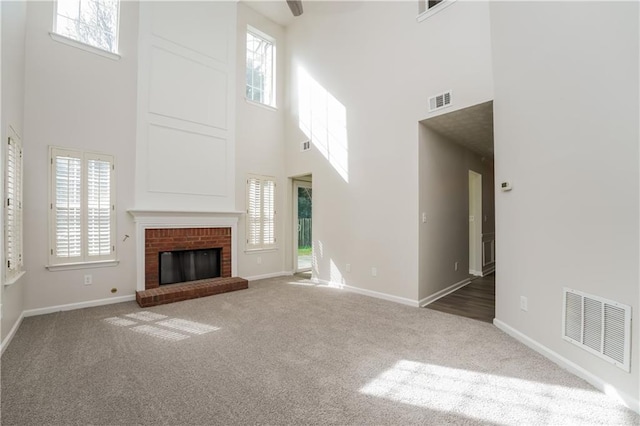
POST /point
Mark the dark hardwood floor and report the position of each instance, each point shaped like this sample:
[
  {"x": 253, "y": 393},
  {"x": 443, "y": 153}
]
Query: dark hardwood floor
[{"x": 476, "y": 300}]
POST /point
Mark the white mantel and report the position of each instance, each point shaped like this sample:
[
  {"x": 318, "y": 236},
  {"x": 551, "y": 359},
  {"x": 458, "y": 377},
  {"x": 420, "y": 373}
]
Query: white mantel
[{"x": 164, "y": 219}]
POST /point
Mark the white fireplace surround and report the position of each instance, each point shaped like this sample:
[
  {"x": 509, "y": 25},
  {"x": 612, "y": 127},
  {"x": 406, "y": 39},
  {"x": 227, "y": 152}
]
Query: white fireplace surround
[{"x": 166, "y": 219}]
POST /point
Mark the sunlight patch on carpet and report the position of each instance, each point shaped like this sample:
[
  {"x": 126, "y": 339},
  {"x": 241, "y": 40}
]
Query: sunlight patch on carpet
[
  {"x": 159, "y": 332},
  {"x": 187, "y": 326},
  {"x": 489, "y": 397},
  {"x": 120, "y": 322},
  {"x": 146, "y": 316},
  {"x": 161, "y": 326}
]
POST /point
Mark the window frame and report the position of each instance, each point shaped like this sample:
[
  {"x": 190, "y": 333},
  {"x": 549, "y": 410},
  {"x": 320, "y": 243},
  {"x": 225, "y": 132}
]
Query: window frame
[
  {"x": 270, "y": 74},
  {"x": 84, "y": 259},
  {"x": 425, "y": 11},
  {"x": 13, "y": 192},
  {"x": 74, "y": 42},
  {"x": 261, "y": 245}
]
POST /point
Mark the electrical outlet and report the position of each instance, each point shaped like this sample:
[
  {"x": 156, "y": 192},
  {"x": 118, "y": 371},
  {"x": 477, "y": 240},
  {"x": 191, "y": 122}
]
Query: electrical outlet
[
  {"x": 348, "y": 267},
  {"x": 88, "y": 279},
  {"x": 524, "y": 304},
  {"x": 455, "y": 266},
  {"x": 374, "y": 271}
]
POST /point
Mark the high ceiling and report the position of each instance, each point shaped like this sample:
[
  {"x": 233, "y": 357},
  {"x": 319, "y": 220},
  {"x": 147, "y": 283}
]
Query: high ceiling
[
  {"x": 277, "y": 11},
  {"x": 470, "y": 127}
]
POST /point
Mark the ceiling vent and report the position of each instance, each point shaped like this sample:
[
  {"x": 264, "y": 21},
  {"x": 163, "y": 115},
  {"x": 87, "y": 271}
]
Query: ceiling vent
[
  {"x": 305, "y": 146},
  {"x": 599, "y": 326},
  {"x": 442, "y": 100}
]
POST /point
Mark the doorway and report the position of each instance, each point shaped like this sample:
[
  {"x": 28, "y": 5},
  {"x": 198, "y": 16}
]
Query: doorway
[
  {"x": 475, "y": 223},
  {"x": 302, "y": 224}
]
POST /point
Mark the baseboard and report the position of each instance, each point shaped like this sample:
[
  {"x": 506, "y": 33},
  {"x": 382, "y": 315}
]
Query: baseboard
[
  {"x": 475, "y": 273},
  {"x": 572, "y": 367},
  {"x": 5, "y": 343},
  {"x": 442, "y": 293},
  {"x": 370, "y": 293},
  {"x": 270, "y": 275},
  {"x": 79, "y": 305},
  {"x": 491, "y": 269}
]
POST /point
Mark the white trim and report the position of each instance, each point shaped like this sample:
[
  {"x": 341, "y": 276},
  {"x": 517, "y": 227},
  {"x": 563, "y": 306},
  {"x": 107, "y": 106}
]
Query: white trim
[
  {"x": 261, "y": 105},
  {"x": 445, "y": 291},
  {"x": 432, "y": 11},
  {"x": 475, "y": 273},
  {"x": 82, "y": 265},
  {"x": 370, "y": 293},
  {"x": 270, "y": 275},
  {"x": 79, "y": 305},
  {"x": 83, "y": 46},
  {"x": 5, "y": 343},
  {"x": 14, "y": 279},
  {"x": 599, "y": 383},
  {"x": 163, "y": 219}
]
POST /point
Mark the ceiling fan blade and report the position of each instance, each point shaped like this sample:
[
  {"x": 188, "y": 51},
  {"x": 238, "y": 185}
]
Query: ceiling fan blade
[{"x": 295, "y": 6}]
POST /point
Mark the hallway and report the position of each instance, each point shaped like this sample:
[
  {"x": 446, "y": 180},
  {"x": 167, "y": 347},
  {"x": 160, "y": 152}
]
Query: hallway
[{"x": 476, "y": 300}]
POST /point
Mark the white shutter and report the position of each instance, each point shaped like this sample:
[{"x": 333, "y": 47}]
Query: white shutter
[
  {"x": 268, "y": 213},
  {"x": 67, "y": 206},
  {"x": 260, "y": 220},
  {"x": 99, "y": 207},
  {"x": 13, "y": 209},
  {"x": 82, "y": 207}
]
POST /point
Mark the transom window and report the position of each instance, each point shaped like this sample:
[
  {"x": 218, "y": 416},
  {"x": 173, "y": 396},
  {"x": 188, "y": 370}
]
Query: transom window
[
  {"x": 260, "y": 68},
  {"x": 92, "y": 22},
  {"x": 82, "y": 207},
  {"x": 261, "y": 212}
]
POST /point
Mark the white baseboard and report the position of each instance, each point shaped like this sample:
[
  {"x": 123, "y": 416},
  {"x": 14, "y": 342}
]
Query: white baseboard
[
  {"x": 79, "y": 305},
  {"x": 442, "y": 293},
  {"x": 5, "y": 343},
  {"x": 270, "y": 275},
  {"x": 488, "y": 270},
  {"x": 370, "y": 293},
  {"x": 475, "y": 273},
  {"x": 572, "y": 367}
]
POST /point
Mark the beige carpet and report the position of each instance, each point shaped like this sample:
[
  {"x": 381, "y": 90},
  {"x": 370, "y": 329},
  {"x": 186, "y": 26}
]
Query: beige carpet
[{"x": 284, "y": 352}]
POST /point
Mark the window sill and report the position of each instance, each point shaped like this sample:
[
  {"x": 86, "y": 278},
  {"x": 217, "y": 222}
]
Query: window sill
[
  {"x": 15, "y": 279},
  {"x": 259, "y": 104},
  {"x": 435, "y": 9},
  {"x": 83, "y": 46},
  {"x": 82, "y": 265},
  {"x": 258, "y": 251}
]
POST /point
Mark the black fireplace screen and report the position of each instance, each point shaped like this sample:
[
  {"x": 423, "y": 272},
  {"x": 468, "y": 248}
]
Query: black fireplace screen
[{"x": 189, "y": 265}]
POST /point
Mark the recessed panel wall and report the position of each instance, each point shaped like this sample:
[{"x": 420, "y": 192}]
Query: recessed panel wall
[{"x": 186, "y": 109}]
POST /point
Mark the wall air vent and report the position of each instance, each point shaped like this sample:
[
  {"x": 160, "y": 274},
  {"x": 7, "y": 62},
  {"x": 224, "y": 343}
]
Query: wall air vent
[
  {"x": 442, "y": 100},
  {"x": 599, "y": 326},
  {"x": 305, "y": 146}
]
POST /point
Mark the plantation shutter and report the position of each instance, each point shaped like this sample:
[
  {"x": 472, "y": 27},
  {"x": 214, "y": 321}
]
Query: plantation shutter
[
  {"x": 260, "y": 219},
  {"x": 13, "y": 215},
  {"x": 98, "y": 207},
  {"x": 67, "y": 206}
]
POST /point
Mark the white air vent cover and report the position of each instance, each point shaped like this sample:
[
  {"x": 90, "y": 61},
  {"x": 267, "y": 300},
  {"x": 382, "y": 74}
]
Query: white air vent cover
[
  {"x": 440, "y": 101},
  {"x": 598, "y": 325},
  {"x": 305, "y": 146}
]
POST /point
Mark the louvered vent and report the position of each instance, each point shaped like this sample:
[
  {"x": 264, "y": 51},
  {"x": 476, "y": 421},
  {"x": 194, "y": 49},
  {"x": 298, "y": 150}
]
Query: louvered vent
[
  {"x": 440, "y": 101},
  {"x": 305, "y": 146},
  {"x": 599, "y": 326}
]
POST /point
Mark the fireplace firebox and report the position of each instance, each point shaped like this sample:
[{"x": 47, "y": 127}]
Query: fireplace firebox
[{"x": 180, "y": 266}]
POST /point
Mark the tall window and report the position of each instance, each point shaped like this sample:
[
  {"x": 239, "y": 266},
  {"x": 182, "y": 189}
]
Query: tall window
[
  {"x": 261, "y": 213},
  {"x": 93, "y": 22},
  {"x": 260, "y": 68},
  {"x": 13, "y": 210},
  {"x": 82, "y": 207}
]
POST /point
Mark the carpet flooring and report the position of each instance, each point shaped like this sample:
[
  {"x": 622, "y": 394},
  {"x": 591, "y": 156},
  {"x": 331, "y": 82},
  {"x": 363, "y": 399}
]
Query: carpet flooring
[{"x": 284, "y": 351}]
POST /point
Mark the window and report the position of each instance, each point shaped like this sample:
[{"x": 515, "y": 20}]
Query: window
[
  {"x": 13, "y": 210},
  {"x": 260, "y": 68},
  {"x": 428, "y": 8},
  {"x": 261, "y": 213},
  {"x": 92, "y": 22},
  {"x": 82, "y": 207}
]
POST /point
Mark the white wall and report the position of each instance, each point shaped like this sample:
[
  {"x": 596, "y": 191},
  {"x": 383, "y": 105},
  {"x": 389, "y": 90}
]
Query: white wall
[
  {"x": 373, "y": 67},
  {"x": 566, "y": 135},
  {"x": 260, "y": 146},
  {"x": 12, "y": 50},
  {"x": 444, "y": 197},
  {"x": 186, "y": 106},
  {"x": 77, "y": 99}
]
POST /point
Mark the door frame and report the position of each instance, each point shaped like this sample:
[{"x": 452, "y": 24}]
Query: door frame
[
  {"x": 297, "y": 183},
  {"x": 475, "y": 223}
]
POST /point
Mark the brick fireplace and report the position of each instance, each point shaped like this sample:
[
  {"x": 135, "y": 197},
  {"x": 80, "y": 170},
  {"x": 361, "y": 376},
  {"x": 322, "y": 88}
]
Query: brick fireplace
[
  {"x": 157, "y": 241},
  {"x": 164, "y": 231}
]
